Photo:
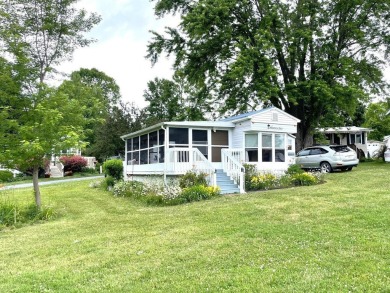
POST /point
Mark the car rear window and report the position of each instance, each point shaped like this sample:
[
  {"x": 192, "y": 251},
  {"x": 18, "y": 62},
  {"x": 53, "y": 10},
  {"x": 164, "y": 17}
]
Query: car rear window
[{"x": 340, "y": 148}]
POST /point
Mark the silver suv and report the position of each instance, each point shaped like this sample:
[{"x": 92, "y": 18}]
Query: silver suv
[{"x": 327, "y": 158}]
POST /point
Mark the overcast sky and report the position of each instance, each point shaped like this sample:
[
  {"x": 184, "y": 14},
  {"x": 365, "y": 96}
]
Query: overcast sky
[{"x": 120, "y": 50}]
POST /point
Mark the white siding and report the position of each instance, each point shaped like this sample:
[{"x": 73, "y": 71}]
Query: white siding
[
  {"x": 238, "y": 134},
  {"x": 267, "y": 117}
]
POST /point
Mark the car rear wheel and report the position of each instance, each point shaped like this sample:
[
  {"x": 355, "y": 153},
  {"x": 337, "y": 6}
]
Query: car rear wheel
[{"x": 326, "y": 167}]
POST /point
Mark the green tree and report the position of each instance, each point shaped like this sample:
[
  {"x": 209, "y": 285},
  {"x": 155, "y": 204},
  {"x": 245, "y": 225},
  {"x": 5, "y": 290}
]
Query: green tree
[
  {"x": 36, "y": 36},
  {"x": 314, "y": 59},
  {"x": 41, "y": 34},
  {"x": 378, "y": 120},
  {"x": 99, "y": 94},
  {"x": 121, "y": 120},
  {"x": 173, "y": 101},
  {"x": 164, "y": 100}
]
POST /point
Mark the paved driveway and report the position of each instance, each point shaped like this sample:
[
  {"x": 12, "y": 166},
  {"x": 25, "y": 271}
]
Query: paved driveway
[{"x": 26, "y": 185}]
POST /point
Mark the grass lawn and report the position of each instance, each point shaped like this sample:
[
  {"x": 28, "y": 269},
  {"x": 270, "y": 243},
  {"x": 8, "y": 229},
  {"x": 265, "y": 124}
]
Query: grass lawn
[{"x": 333, "y": 237}]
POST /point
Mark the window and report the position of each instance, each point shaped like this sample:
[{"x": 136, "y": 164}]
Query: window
[
  {"x": 199, "y": 136},
  {"x": 352, "y": 138},
  {"x": 145, "y": 149},
  {"x": 136, "y": 143},
  {"x": 153, "y": 139},
  {"x": 161, "y": 137},
  {"x": 251, "y": 147},
  {"x": 358, "y": 138},
  {"x": 266, "y": 152},
  {"x": 275, "y": 117},
  {"x": 144, "y": 157},
  {"x": 129, "y": 144},
  {"x": 290, "y": 144},
  {"x": 317, "y": 151},
  {"x": 303, "y": 153},
  {"x": 144, "y": 141},
  {"x": 178, "y": 136},
  {"x": 279, "y": 148},
  {"x": 336, "y": 138},
  {"x": 200, "y": 141}
]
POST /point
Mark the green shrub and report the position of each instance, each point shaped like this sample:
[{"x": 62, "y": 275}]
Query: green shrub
[
  {"x": 108, "y": 182},
  {"x": 88, "y": 170},
  {"x": 97, "y": 167},
  {"x": 304, "y": 179},
  {"x": 263, "y": 181},
  {"x": 191, "y": 179},
  {"x": 198, "y": 192},
  {"x": 250, "y": 171},
  {"x": 6, "y": 176},
  {"x": 113, "y": 168},
  {"x": 294, "y": 169}
]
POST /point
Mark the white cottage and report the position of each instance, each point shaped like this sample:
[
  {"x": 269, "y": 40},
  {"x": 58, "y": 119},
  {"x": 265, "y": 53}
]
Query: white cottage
[
  {"x": 355, "y": 137},
  {"x": 220, "y": 148}
]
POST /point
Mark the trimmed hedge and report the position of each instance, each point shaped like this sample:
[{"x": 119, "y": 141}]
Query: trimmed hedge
[{"x": 113, "y": 168}]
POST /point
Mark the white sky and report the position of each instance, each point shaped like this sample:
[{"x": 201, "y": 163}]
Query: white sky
[{"x": 120, "y": 50}]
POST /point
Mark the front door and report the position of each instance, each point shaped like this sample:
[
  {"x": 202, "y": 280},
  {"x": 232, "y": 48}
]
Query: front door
[{"x": 219, "y": 141}]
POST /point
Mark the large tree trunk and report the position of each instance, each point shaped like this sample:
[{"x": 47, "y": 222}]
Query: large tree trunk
[
  {"x": 37, "y": 192},
  {"x": 304, "y": 138}
]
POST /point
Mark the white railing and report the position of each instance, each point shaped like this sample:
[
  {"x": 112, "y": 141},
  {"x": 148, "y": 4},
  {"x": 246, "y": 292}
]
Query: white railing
[
  {"x": 183, "y": 160},
  {"x": 231, "y": 164}
]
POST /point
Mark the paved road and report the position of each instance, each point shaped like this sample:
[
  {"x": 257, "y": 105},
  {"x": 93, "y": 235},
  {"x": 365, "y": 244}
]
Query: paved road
[{"x": 25, "y": 185}]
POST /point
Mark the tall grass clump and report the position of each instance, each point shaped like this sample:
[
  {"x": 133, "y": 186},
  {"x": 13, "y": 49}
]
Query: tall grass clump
[{"x": 13, "y": 214}]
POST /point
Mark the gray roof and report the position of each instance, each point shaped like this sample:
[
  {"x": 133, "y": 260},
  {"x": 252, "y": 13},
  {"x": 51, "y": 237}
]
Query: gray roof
[{"x": 243, "y": 116}]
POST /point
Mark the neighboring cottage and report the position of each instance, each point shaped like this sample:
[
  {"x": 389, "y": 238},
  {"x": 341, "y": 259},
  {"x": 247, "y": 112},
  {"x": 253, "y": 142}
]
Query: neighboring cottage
[
  {"x": 355, "y": 137},
  {"x": 264, "y": 138}
]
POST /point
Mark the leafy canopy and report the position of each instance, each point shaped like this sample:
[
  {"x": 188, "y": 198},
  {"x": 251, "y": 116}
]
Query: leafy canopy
[{"x": 316, "y": 59}]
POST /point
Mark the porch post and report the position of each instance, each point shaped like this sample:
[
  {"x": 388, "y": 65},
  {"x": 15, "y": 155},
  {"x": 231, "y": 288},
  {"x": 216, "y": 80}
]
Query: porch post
[{"x": 166, "y": 152}]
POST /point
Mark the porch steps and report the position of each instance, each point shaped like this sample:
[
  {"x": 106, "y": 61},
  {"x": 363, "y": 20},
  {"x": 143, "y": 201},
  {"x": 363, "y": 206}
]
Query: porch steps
[
  {"x": 226, "y": 184},
  {"x": 55, "y": 172}
]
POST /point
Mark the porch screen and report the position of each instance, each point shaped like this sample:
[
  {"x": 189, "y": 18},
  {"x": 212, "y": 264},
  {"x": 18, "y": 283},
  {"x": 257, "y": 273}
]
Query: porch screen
[
  {"x": 146, "y": 149},
  {"x": 251, "y": 147},
  {"x": 178, "y": 136},
  {"x": 200, "y": 141}
]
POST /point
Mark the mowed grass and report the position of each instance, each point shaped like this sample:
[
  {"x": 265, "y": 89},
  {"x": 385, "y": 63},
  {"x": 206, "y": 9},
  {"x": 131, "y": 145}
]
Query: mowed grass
[{"x": 333, "y": 237}]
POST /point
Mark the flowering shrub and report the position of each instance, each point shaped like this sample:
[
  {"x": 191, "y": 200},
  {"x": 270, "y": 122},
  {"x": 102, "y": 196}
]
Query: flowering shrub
[
  {"x": 198, "y": 192},
  {"x": 263, "y": 181},
  {"x": 156, "y": 193},
  {"x": 96, "y": 184},
  {"x": 305, "y": 179},
  {"x": 293, "y": 177},
  {"x": 191, "y": 178},
  {"x": 73, "y": 163},
  {"x": 133, "y": 189}
]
